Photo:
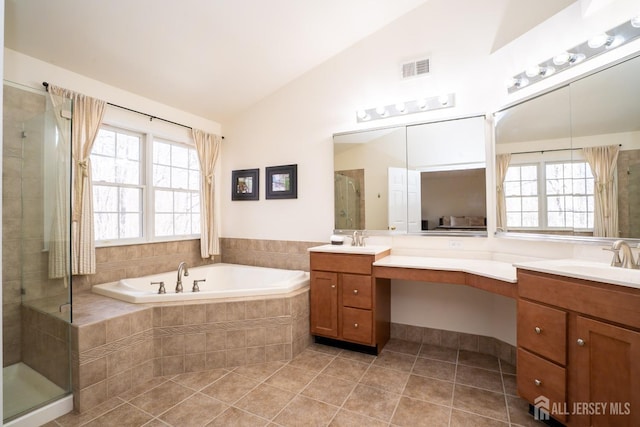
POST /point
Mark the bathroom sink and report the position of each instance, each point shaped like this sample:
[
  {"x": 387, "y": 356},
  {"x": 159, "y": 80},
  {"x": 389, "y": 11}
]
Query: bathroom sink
[
  {"x": 348, "y": 249},
  {"x": 587, "y": 270}
]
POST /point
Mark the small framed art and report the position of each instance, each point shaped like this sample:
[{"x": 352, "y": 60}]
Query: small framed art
[
  {"x": 282, "y": 182},
  {"x": 245, "y": 184}
]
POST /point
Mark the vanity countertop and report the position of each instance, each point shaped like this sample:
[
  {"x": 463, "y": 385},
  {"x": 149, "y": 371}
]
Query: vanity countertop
[
  {"x": 504, "y": 271},
  {"x": 586, "y": 270},
  {"x": 348, "y": 249}
]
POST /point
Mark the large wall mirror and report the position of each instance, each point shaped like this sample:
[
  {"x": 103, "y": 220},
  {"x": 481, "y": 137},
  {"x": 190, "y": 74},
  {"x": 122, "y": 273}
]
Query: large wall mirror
[
  {"x": 426, "y": 178},
  {"x": 568, "y": 161}
]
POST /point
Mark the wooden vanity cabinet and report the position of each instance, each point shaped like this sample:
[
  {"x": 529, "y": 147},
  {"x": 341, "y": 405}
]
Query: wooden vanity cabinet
[
  {"x": 579, "y": 347},
  {"x": 346, "y": 302}
]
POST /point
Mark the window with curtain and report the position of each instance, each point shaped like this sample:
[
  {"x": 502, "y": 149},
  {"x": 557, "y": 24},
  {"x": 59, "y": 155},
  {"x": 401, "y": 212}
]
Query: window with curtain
[
  {"x": 176, "y": 188},
  {"x": 144, "y": 189},
  {"x": 549, "y": 195}
]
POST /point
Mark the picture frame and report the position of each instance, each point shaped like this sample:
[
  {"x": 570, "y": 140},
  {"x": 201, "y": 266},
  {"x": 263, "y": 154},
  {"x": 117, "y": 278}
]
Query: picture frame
[
  {"x": 282, "y": 182},
  {"x": 245, "y": 184}
]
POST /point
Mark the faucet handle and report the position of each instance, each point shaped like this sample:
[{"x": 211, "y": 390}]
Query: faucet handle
[
  {"x": 196, "y": 287},
  {"x": 161, "y": 290},
  {"x": 616, "y": 261}
]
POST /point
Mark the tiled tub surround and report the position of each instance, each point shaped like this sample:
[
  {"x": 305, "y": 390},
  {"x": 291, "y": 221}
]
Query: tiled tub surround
[
  {"x": 288, "y": 255},
  {"x": 408, "y": 384},
  {"x": 117, "y": 346}
]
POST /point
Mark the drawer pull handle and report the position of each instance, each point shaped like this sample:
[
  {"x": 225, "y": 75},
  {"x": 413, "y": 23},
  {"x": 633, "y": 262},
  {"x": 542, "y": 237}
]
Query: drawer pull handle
[
  {"x": 355, "y": 325},
  {"x": 580, "y": 342},
  {"x": 355, "y": 292},
  {"x": 333, "y": 286},
  {"x": 537, "y": 382},
  {"x": 538, "y": 330}
]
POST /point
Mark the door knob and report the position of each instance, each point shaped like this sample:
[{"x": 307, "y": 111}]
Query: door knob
[
  {"x": 355, "y": 292},
  {"x": 538, "y": 330},
  {"x": 537, "y": 382},
  {"x": 580, "y": 342}
]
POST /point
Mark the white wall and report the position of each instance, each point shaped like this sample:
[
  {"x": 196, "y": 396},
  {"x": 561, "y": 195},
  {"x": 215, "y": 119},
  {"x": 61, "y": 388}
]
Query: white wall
[{"x": 1, "y": 141}]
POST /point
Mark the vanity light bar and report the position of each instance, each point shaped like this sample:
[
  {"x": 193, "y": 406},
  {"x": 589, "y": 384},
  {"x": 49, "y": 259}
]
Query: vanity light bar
[
  {"x": 402, "y": 108},
  {"x": 596, "y": 45}
]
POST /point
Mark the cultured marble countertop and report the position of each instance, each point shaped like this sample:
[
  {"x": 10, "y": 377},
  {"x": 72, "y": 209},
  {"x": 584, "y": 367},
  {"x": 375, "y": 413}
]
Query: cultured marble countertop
[
  {"x": 586, "y": 270},
  {"x": 498, "y": 270},
  {"x": 348, "y": 249}
]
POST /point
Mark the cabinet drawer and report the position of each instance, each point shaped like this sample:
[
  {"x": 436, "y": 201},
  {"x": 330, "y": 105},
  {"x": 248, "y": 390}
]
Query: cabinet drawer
[
  {"x": 357, "y": 325},
  {"x": 543, "y": 330},
  {"x": 538, "y": 378},
  {"x": 342, "y": 263},
  {"x": 356, "y": 291}
]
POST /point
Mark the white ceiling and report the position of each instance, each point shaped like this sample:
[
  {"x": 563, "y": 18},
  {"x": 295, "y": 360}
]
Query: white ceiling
[{"x": 212, "y": 58}]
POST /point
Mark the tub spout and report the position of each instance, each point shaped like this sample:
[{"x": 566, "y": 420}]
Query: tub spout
[{"x": 183, "y": 268}]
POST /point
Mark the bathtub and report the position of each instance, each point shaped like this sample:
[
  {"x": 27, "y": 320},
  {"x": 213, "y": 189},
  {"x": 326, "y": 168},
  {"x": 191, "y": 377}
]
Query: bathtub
[{"x": 222, "y": 281}]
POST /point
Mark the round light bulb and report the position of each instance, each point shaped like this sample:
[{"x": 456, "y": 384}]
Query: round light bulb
[
  {"x": 443, "y": 99},
  {"x": 401, "y": 107},
  {"x": 635, "y": 21},
  {"x": 421, "y": 103},
  {"x": 382, "y": 111},
  {"x": 599, "y": 40},
  {"x": 533, "y": 71},
  {"x": 362, "y": 115},
  {"x": 561, "y": 58}
]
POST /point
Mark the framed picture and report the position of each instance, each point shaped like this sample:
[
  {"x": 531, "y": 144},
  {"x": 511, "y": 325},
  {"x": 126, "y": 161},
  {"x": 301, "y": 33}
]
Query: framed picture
[
  {"x": 282, "y": 182},
  {"x": 245, "y": 184}
]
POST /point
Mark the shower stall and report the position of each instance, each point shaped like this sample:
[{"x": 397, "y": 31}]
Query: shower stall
[
  {"x": 36, "y": 285},
  {"x": 349, "y": 201}
]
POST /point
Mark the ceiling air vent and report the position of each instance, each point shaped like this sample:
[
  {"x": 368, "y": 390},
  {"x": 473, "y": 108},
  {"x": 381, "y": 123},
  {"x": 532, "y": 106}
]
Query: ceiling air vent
[{"x": 416, "y": 68}]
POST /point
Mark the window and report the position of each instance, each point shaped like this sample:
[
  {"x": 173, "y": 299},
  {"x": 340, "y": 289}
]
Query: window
[
  {"x": 549, "y": 195},
  {"x": 176, "y": 182},
  {"x": 117, "y": 168},
  {"x": 144, "y": 189}
]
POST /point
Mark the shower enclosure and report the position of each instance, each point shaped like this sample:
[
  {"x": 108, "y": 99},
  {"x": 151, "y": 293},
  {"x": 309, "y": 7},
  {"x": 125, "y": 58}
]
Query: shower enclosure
[
  {"x": 36, "y": 285},
  {"x": 349, "y": 201}
]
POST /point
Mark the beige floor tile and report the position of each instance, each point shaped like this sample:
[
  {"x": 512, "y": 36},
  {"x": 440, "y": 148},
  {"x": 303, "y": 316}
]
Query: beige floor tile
[
  {"x": 326, "y": 349},
  {"x": 311, "y": 361},
  {"x": 265, "y": 401},
  {"x": 74, "y": 419},
  {"x": 329, "y": 389},
  {"x": 478, "y": 377},
  {"x": 372, "y": 402},
  {"x": 478, "y": 360},
  {"x": 302, "y": 411},
  {"x": 519, "y": 413},
  {"x": 412, "y": 412},
  {"x": 143, "y": 388},
  {"x": 393, "y": 360},
  {"x": 434, "y": 369},
  {"x": 199, "y": 380},
  {"x": 436, "y": 352},
  {"x": 161, "y": 398},
  {"x": 507, "y": 368},
  {"x": 510, "y": 384},
  {"x": 124, "y": 415},
  {"x": 260, "y": 371},
  {"x": 401, "y": 346},
  {"x": 466, "y": 419},
  {"x": 346, "y": 369},
  {"x": 237, "y": 418},
  {"x": 346, "y": 418},
  {"x": 198, "y": 410},
  {"x": 429, "y": 389},
  {"x": 291, "y": 378},
  {"x": 230, "y": 388},
  {"x": 156, "y": 423},
  {"x": 481, "y": 402},
  {"x": 385, "y": 379},
  {"x": 357, "y": 356}
]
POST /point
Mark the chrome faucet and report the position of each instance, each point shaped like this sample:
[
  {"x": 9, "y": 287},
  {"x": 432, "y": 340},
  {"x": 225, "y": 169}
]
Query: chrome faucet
[
  {"x": 357, "y": 238},
  {"x": 183, "y": 267},
  {"x": 627, "y": 260}
]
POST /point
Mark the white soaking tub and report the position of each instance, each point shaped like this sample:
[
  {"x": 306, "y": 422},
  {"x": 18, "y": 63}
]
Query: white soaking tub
[{"x": 222, "y": 281}]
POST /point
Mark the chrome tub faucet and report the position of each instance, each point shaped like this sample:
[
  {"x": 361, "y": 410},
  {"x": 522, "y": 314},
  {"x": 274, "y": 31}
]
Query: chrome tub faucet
[{"x": 183, "y": 268}]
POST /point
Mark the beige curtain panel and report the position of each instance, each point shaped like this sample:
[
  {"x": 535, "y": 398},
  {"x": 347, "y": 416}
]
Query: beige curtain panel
[
  {"x": 86, "y": 118},
  {"x": 208, "y": 147},
  {"x": 603, "y": 162},
  {"x": 502, "y": 165}
]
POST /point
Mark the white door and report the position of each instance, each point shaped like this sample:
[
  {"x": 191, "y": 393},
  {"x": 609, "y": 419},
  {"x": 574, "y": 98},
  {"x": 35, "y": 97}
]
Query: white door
[
  {"x": 397, "y": 179},
  {"x": 414, "y": 202}
]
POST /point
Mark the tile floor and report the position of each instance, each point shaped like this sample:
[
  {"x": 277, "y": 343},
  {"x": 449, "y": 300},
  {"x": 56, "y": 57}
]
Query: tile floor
[{"x": 408, "y": 384}]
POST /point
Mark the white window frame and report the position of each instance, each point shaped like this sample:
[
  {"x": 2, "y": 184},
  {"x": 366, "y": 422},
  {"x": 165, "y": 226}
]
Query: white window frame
[
  {"x": 542, "y": 196},
  {"x": 148, "y": 190}
]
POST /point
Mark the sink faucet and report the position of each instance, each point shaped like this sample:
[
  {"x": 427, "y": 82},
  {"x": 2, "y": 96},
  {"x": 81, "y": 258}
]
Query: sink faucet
[
  {"x": 627, "y": 260},
  {"x": 357, "y": 239},
  {"x": 183, "y": 267}
]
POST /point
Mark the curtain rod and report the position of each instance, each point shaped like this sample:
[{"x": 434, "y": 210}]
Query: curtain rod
[
  {"x": 46, "y": 86},
  {"x": 549, "y": 151}
]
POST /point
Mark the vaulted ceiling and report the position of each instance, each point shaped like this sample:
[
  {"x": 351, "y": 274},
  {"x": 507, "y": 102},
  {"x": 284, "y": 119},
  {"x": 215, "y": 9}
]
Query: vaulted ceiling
[{"x": 215, "y": 58}]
